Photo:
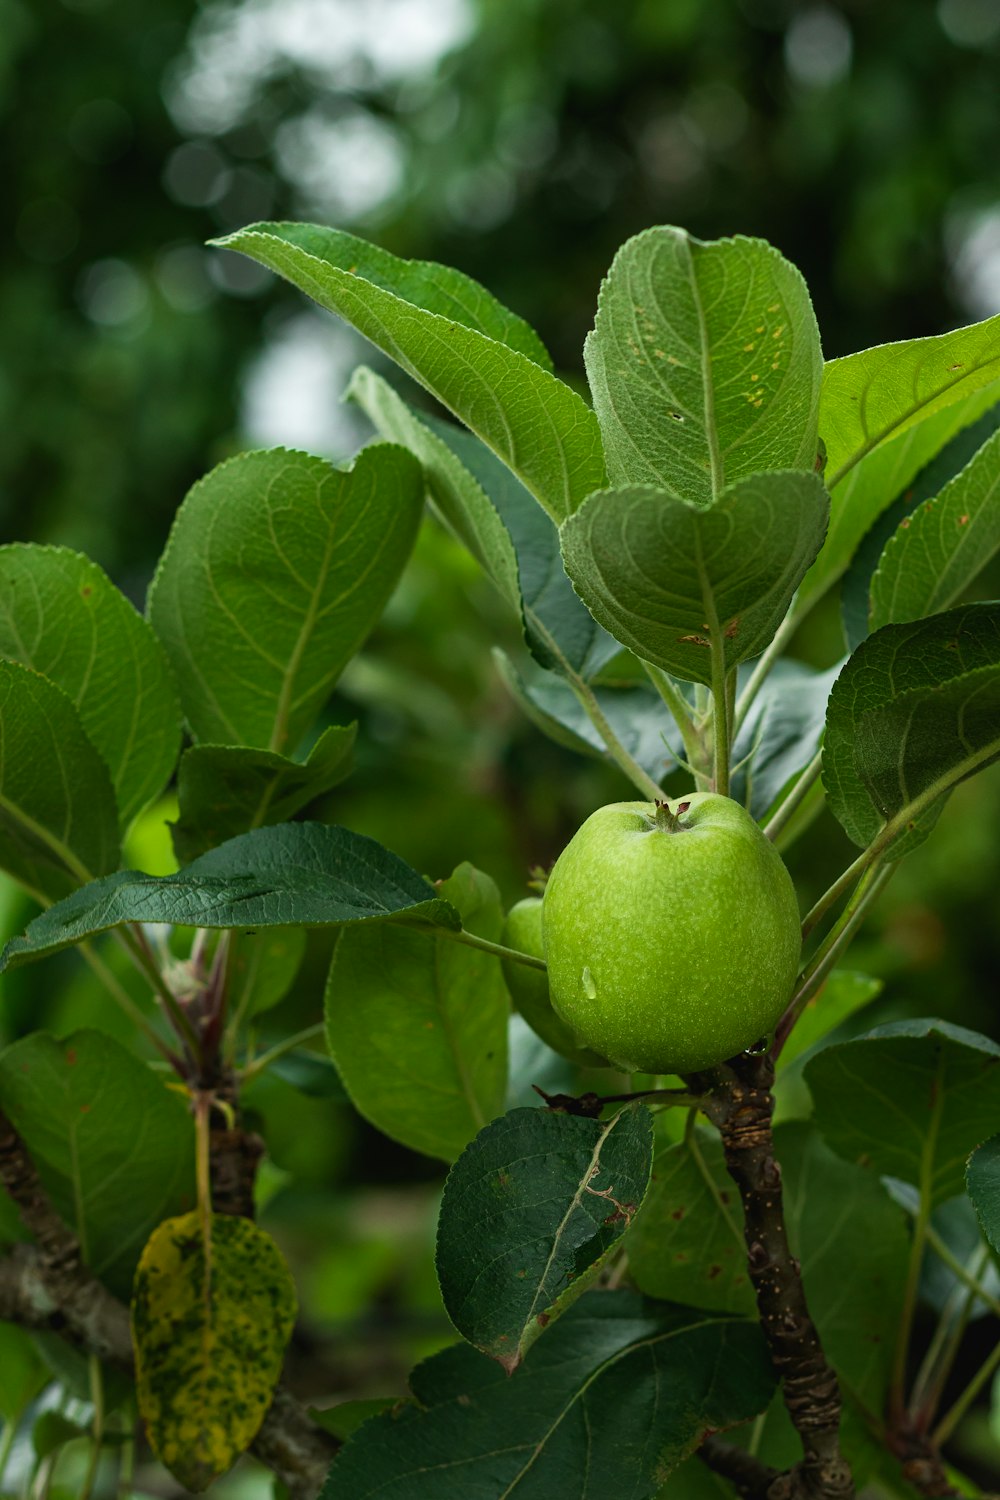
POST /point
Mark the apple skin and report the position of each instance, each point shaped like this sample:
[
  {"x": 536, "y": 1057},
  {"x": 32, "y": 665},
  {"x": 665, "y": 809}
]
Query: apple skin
[
  {"x": 671, "y": 933},
  {"x": 529, "y": 988}
]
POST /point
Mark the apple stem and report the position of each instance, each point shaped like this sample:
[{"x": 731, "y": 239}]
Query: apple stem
[{"x": 670, "y": 822}]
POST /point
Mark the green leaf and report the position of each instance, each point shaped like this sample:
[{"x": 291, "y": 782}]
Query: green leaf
[
  {"x": 664, "y": 576},
  {"x": 210, "y": 1336},
  {"x": 277, "y": 568},
  {"x": 58, "y": 816},
  {"x": 344, "y": 1419},
  {"x": 225, "y": 790},
  {"x": 882, "y": 392},
  {"x": 22, "y": 1373},
  {"x": 541, "y": 428},
  {"x": 982, "y": 1182},
  {"x": 113, "y": 1146},
  {"x": 687, "y": 1243},
  {"x": 912, "y": 1099},
  {"x": 263, "y": 966},
  {"x": 704, "y": 363},
  {"x": 531, "y": 1210},
  {"x": 915, "y": 711},
  {"x": 53, "y": 1431},
  {"x": 946, "y": 464},
  {"x": 959, "y": 1228},
  {"x": 618, "y": 1394},
  {"x": 294, "y": 875},
  {"x": 438, "y": 289},
  {"x": 310, "y": 1073},
  {"x": 61, "y": 615},
  {"x": 488, "y": 508},
  {"x": 935, "y": 554},
  {"x": 886, "y": 471},
  {"x": 417, "y": 1024},
  {"x": 853, "y": 1244},
  {"x": 635, "y": 713},
  {"x": 842, "y": 994},
  {"x": 780, "y": 734}
]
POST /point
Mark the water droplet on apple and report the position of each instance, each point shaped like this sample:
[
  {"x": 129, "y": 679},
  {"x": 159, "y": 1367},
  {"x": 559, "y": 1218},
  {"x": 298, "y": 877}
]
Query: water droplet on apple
[{"x": 589, "y": 987}]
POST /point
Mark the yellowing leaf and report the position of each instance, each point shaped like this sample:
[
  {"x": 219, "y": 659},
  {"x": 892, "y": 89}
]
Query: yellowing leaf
[{"x": 209, "y": 1341}]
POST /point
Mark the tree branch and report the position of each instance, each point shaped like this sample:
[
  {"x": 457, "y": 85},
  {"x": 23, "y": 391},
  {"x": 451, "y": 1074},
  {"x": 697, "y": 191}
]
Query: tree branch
[
  {"x": 921, "y": 1465},
  {"x": 741, "y": 1106},
  {"x": 233, "y": 1153},
  {"x": 748, "y": 1475},
  {"x": 47, "y": 1286}
]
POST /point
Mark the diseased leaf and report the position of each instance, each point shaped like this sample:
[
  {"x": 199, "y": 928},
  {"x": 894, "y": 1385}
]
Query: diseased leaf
[
  {"x": 687, "y": 1243},
  {"x": 608, "y": 1403},
  {"x": 531, "y": 1210},
  {"x": 294, "y": 875},
  {"x": 498, "y": 520},
  {"x": 666, "y": 577},
  {"x": 944, "y": 466},
  {"x": 915, "y": 711},
  {"x": 541, "y": 428},
  {"x": 113, "y": 1146},
  {"x": 982, "y": 1181},
  {"x": 61, "y": 615},
  {"x": 209, "y": 1333},
  {"x": 913, "y": 1099},
  {"x": 277, "y": 567},
  {"x": 58, "y": 816},
  {"x": 704, "y": 363},
  {"x": 935, "y": 553},
  {"x": 417, "y": 1024},
  {"x": 225, "y": 790},
  {"x": 635, "y": 712}
]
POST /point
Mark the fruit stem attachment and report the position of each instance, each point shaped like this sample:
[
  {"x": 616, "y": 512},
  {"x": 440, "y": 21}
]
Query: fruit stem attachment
[{"x": 670, "y": 822}]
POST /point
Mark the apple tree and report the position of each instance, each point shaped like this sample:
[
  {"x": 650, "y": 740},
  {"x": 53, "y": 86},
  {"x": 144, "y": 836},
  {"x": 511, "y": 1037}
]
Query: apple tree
[{"x": 661, "y": 1287}]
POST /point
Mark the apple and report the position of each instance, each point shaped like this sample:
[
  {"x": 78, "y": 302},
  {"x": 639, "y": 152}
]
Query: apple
[
  {"x": 671, "y": 935},
  {"x": 529, "y": 988}
]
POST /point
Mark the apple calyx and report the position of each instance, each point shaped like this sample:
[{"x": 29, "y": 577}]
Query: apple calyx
[{"x": 670, "y": 822}]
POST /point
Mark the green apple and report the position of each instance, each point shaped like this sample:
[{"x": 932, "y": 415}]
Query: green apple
[
  {"x": 671, "y": 934},
  {"x": 529, "y": 988}
]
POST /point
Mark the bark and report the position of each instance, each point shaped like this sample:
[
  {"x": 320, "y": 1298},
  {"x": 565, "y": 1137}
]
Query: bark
[{"x": 741, "y": 1105}]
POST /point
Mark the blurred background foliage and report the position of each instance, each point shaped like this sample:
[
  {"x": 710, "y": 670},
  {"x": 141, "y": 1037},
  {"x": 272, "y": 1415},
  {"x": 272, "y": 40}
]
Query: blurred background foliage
[{"x": 523, "y": 141}]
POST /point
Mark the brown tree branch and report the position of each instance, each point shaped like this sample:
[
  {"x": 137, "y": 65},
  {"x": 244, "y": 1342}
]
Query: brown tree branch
[
  {"x": 741, "y": 1106},
  {"x": 93, "y": 1318},
  {"x": 46, "y": 1285},
  {"x": 921, "y": 1464},
  {"x": 748, "y": 1475}
]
